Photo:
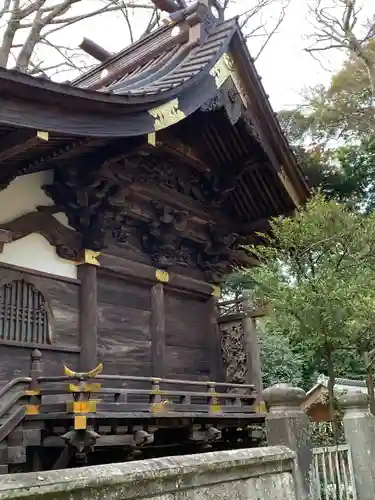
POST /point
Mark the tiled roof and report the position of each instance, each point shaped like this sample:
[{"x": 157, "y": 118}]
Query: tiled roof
[
  {"x": 341, "y": 385},
  {"x": 158, "y": 71}
]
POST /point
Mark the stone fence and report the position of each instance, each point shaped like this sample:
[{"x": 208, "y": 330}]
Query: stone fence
[{"x": 260, "y": 473}]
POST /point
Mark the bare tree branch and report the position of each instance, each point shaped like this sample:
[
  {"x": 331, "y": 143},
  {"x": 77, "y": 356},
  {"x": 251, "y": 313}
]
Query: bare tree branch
[
  {"x": 5, "y": 9},
  {"x": 335, "y": 27},
  {"x": 33, "y": 26}
]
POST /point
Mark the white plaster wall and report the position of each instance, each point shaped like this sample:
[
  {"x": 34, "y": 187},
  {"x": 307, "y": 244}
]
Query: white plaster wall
[{"x": 23, "y": 195}]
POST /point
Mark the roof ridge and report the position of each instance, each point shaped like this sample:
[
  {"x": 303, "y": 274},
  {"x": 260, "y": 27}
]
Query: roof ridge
[
  {"x": 135, "y": 46},
  {"x": 323, "y": 379}
]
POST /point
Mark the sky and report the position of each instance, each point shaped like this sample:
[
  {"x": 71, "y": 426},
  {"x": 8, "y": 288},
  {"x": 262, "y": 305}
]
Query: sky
[{"x": 285, "y": 67}]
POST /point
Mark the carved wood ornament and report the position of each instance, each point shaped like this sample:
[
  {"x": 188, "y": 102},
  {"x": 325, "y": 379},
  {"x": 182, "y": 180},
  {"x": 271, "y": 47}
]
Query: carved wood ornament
[
  {"x": 163, "y": 235},
  {"x": 110, "y": 201},
  {"x": 234, "y": 355},
  {"x": 68, "y": 243}
]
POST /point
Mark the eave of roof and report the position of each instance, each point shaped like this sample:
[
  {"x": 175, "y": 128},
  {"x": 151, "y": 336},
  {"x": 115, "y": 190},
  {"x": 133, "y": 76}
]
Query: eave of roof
[
  {"x": 42, "y": 104},
  {"x": 121, "y": 107}
]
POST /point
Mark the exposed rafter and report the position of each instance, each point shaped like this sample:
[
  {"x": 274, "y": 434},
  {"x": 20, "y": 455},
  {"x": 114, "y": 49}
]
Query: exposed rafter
[{"x": 21, "y": 141}]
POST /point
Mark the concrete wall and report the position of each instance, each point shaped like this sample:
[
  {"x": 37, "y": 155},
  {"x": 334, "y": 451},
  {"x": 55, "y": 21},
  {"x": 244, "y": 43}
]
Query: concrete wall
[{"x": 260, "y": 473}]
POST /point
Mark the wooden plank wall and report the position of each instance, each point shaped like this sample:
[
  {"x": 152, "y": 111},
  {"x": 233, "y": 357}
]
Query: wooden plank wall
[
  {"x": 124, "y": 329},
  {"x": 187, "y": 320},
  {"x": 124, "y": 315},
  {"x": 62, "y": 299}
]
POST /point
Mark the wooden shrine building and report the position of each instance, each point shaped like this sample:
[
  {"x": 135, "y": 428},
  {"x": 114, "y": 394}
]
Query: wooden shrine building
[{"x": 125, "y": 196}]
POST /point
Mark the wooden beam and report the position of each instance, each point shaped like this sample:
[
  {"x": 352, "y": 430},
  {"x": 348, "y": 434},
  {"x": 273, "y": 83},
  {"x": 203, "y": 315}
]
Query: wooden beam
[
  {"x": 5, "y": 236},
  {"x": 125, "y": 268},
  {"x": 94, "y": 50},
  {"x": 158, "y": 331},
  {"x": 180, "y": 201},
  {"x": 21, "y": 141},
  {"x": 88, "y": 328}
]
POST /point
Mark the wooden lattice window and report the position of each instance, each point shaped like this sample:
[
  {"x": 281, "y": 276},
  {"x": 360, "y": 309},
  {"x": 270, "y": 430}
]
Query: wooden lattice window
[{"x": 23, "y": 314}]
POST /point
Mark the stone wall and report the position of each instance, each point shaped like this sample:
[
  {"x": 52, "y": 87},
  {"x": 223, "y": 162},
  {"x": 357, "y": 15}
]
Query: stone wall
[{"x": 259, "y": 473}]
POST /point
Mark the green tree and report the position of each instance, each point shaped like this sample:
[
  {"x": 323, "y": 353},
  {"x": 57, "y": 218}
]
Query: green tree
[
  {"x": 333, "y": 134},
  {"x": 280, "y": 363},
  {"x": 317, "y": 272}
]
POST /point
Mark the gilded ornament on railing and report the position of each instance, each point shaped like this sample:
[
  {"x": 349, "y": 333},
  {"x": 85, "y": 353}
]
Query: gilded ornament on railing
[
  {"x": 167, "y": 114},
  {"x": 83, "y": 375}
]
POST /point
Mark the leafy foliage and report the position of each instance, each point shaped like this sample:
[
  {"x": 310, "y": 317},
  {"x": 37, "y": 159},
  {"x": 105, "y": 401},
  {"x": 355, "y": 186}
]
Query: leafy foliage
[
  {"x": 279, "y": 362},
  {"x": 333, "y": 134},
  {"x": 318, "y": 274}
]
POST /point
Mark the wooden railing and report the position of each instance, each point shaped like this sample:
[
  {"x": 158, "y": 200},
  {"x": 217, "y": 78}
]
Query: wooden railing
[
  {"x": 229, "y": 307},
  {"x": 169, "y": 397},
  {"x": 102, "y": 396},
  {"x": 243, "y": 307}
]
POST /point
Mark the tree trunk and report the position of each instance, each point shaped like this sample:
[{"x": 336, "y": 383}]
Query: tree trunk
[
  {"x": 23, "y": 59},
  {"x": 370, "y": 382},
  {"x": 331, "y": 394}
]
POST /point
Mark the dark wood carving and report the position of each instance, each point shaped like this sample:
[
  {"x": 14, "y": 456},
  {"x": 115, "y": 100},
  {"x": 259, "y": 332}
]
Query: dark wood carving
[
  {"x": 203, "y": 186},
  {"x": 88, "y": 197},
  {"x": 106, "y": 205},
  {"x": 214, "y": 258},
  {"x": 68, "y": 242},
  {"x": 233, "y": 352},
  {"x": 163, "y": 235}
]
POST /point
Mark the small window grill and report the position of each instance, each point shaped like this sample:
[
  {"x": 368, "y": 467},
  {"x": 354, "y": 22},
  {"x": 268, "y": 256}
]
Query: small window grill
[{"x": 23, "y": 314}]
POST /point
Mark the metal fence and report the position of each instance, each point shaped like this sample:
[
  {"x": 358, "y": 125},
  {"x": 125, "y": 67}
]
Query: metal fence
[{"x": 332, "y": 474}]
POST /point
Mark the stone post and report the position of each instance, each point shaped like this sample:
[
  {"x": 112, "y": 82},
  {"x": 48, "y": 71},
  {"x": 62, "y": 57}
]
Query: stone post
[
  {"x": 359, "y": 427},
  {"x": 287, "y": 424},
  {"x": 252, "y": 349}
]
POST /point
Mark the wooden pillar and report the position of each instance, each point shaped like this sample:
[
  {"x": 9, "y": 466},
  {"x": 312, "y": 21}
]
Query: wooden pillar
[
  {"x": 88, "y": 324},
  {"x": 158, "y": 331},
  {"x": 252, "y": 349},
  {"x": 215, "y": 354}
]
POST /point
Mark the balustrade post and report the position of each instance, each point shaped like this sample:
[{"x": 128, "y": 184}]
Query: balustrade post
[
  {"x": 359, "y": 428},
  {"x": 34, "y": 401},
  {"x": 155, "y": 399},
  {"x": 213, "y": 399},
  {"x": 33, "y": 432},
  {"x": 288, "y": 425}
]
